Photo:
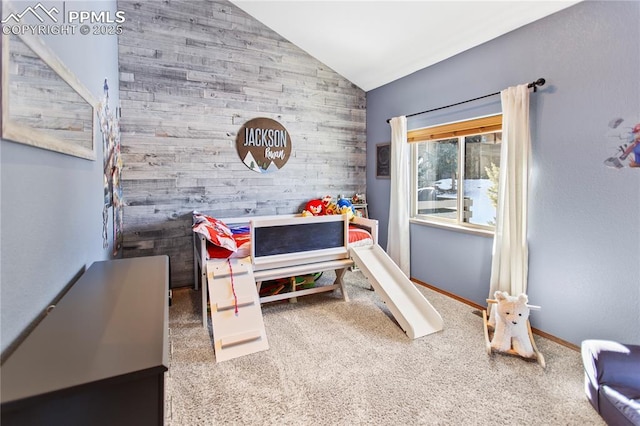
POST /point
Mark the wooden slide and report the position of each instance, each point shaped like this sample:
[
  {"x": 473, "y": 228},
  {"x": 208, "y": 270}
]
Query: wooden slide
[{"x": 411, "y": 309}]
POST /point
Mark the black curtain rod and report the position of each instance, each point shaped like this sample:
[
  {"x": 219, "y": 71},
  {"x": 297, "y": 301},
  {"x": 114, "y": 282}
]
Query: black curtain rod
[{"x": 534, "y": 84}]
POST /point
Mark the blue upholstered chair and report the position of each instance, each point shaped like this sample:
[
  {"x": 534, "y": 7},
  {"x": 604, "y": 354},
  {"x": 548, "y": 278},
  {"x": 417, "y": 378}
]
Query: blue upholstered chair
[{"x": 612, "y": 380}]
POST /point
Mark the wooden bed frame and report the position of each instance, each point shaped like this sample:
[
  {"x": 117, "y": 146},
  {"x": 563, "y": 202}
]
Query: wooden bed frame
[{"x": 287, "y": 246}]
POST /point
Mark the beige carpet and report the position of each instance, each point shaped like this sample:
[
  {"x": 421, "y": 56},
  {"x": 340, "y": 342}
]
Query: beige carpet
[{"x": 337, "y": 363}]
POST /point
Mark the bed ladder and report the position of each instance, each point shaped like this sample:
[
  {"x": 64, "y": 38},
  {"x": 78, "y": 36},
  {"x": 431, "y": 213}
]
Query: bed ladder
[{"x": 236, "y": 319}]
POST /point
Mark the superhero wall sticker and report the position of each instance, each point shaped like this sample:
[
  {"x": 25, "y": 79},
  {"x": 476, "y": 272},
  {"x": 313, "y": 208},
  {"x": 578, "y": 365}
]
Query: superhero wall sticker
[{"x": 623, "y": 136}]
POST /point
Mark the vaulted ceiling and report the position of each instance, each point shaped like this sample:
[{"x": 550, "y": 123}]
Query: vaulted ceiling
[{"x": 372, "y": 43}]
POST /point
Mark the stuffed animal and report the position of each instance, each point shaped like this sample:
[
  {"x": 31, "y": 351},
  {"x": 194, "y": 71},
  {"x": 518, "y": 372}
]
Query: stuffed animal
[
  {"x": 314, "y": 208},
  {"x": 329, "y": 206},
  {"x": 343, "y": 202},
  {"x": 347, "y": 210},
  {"x": 345, "y": 207},
  {"x": 511, "y": 331}
]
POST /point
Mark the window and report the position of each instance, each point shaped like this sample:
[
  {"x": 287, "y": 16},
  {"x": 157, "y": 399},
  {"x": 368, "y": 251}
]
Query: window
[{"x": 455, "y": 172}]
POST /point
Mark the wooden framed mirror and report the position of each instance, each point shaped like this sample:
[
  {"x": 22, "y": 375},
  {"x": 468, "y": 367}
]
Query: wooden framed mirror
[{"x": 43, "y": 102}]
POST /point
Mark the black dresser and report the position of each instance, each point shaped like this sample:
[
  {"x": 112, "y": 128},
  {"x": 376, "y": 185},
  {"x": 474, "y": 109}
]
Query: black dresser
[{"x": 99, "y": 356}]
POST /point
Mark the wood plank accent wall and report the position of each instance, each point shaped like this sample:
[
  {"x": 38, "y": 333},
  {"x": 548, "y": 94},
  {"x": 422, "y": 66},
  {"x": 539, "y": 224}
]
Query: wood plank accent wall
[{"x": 191, "y": 73}]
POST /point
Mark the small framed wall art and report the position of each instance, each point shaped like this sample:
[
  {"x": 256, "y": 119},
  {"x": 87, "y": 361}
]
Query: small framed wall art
[{"x": 383, "y": 160}]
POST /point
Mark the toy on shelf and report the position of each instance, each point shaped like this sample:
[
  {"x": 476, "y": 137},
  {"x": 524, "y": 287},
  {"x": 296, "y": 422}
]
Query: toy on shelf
[
  {"x": 508, "y": 329},
  {"x": 359, "y": 199},
  {"x": 359, "y": 202},
  {"x": 284, "y": 285}
]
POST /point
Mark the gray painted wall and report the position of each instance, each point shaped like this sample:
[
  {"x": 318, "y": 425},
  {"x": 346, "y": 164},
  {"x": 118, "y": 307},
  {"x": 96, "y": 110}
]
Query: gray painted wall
[
  {"x": 192, "y": 73},
  {"x": 584, "y": 218},
  {"x": 51, "y": 203}
]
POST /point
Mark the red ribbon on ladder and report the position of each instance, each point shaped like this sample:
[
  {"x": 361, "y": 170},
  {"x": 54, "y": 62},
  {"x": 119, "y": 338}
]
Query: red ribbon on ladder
[{"x": 233, "y": 287}]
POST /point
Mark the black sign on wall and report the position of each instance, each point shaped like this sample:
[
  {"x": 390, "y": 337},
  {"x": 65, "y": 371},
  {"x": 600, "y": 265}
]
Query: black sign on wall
[{"x": 264, "y": 145}]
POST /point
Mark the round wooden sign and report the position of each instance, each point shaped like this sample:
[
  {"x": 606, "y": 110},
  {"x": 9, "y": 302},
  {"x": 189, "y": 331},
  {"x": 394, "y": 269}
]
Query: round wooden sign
[{"x": 264, "y": 145}]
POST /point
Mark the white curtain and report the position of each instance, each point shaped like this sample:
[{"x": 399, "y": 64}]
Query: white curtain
[
  {"x": 509, "y": 266},
  {"x": 398, "y": 240}
]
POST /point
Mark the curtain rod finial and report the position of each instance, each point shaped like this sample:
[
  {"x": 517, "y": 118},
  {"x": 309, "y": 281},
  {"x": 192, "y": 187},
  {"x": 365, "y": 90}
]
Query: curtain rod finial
[{"x": 538, "y": 82}]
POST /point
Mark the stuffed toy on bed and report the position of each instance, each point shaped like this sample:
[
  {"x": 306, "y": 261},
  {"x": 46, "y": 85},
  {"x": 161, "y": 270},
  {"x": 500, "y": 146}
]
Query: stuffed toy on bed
[
  {"x": 314, "y": 208},
  {"x": 330, "y": 207},
  {"x": 511, "y": 332},
  {"x": 346, "y": 207}
]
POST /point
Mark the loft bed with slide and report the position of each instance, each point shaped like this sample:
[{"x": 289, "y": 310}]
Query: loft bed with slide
[{"x": 271, "y": 247}]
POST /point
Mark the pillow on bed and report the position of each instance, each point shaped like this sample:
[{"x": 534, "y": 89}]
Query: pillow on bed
[
  {"x": 359, "y": 237},
  {"x": 243, "y": 241},
  {"x": 215, "y": 231}
]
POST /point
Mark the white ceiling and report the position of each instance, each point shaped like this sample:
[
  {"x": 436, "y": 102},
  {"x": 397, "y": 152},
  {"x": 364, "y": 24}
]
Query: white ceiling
[{"x": 374, "y": 42}]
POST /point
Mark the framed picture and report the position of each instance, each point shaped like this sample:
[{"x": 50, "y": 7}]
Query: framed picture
[{"x": 383, "y": 160}]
